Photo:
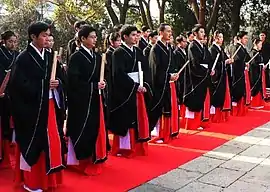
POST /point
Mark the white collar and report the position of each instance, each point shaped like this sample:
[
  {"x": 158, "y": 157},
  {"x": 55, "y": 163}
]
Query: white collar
[
  {"x": 130, "y": 48},
  {"x": 183, "y": 50},
  {"x": 199, "y": 42},
  {"x": 41, "y": 54},
  {"x": 217, "y": 45},
  {"x": 144, "y": 39},
  {"x": 87, "y": 50}
]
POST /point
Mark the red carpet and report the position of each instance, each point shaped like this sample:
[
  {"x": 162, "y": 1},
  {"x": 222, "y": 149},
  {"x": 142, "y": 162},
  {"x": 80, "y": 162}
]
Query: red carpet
[{"x": 122, "y": 174}]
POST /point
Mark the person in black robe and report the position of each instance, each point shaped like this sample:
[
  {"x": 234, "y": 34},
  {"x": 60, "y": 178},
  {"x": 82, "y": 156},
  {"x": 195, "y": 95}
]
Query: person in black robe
[
  {"x": 197, "y": 81},
  {"x": 152, "y": 39},
  {"x": 190, "y": 38},
  {"x": 181, "y": 58},
  {"x": 114, "y": 41},
  {"x": 240, "y": 81},
  {"x": 59, "y": 97},
  {"x": 8, "y": 56},
  {"x": 72, "y": 44},
  {"x": 266, "y": 55},
  {"x": 85, "y": 129},
  {"x": 256, "y": 74},
  {"x": 220, "y": 92},
  {"x": 144, "y": 37},
  {"x": 129, "y": 118},
  {"x": 39, "y": 155},
  {"x": 164, "y": 75}
]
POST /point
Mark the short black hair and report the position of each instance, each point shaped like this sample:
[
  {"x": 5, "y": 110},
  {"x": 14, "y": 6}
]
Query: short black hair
[
  {"x": 145, "y": 28},
  {"x": 189, "y": 33},
  {"x": 114, "y": 36},
  {"x": 241, "y": 34},
  {"x": 85, "y": 31},
  {"x": 256, "y": 41},
  {"x": 153, "y": 34},
  {"x": 78, "y": 24},
  {"x": 264, "y": 32},
  {"x": 51, "y": 35},
  {"x": 117, "y": 28},
  {"x": 127, "y": 30},
  {"x": 7, "y": 34},
  {"x": 180, "y": 38},
  {"x": 216, "y": 33},
  {"x": 162, "y": 26},
  {"x": 197, "y": 28},
  {"x": 37, "y": 28},
  {"x": 138, "y": 31}
]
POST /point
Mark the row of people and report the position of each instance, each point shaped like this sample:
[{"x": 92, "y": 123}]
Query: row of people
[{"x": 158, "y": 89}]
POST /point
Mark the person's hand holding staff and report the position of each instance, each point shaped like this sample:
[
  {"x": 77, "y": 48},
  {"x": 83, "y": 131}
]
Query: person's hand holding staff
[
  {"x": 101, "y": 83},
  {"x": 265, "y": 66}
]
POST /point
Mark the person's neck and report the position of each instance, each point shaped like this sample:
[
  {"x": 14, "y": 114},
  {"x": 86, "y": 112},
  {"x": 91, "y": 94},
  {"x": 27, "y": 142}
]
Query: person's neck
[
  {"x": 129, "y": 44},
  {"x": 199, "y": 40},
  {"x": 38, "y": 48},
  {"x": 256, "y": 48},
  {"x": 163, "y": 40},
  {"x": 90, "y": 48}
]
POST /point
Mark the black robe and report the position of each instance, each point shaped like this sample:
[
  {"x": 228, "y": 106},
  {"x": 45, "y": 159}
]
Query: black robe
[
  {"x": 83, "y": 103},
  {"x": 238, "y": 79},
  {"x": 71, "y": 48},
  {"x": 29, "y": 94},
  {"x": 162, "y": 63},
  {"x": 124, "y": 108},
  {"x": 142, "y": 44},
  {"x": 219, "y": 80},
  {"x": 255, "y": 73},
  {"x": 197, "y": 78},
  {"x": 180, "y": 60},
  {"x": 7, "y": 59},
  {"x": 146, "y": 51},
  {"x": 266, "y": 57}
]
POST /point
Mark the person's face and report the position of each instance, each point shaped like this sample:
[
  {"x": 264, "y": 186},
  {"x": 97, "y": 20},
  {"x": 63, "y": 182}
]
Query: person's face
[
  {"x": 191, "y": 37},
  {"x": 146, "y": 33},
  {"x": 153, "y": 40},
  {"x": 42, "y": 40},
  {"x": 167, "y": 33},
  {"x": 132, "y": 38},
  {"x": 259, "y": 46},
  {"x": 90, "y": 41},
  {"x": 50, "y": 42},
  {"x": 116, "y": 43},
  {"x": 11, "y": 43},
  {"x": 244, "y": 40},
  {"x": 183, "y": 44},
  {"x": 219, "y": 39},
  {"x": 138, "y": 37},
  {"x": 262, "y": 37},
  {"x": 200, "y": 34}
]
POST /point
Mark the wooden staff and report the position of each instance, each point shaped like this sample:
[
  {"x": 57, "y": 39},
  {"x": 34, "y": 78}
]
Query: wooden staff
[
  {"x": 236, "y": 52},
  {"x": 5, "y": 82},
  {"x": 60, "y": 51},
  {"x": 182, "y": 68},
  {"x": 140, "y": 73},
  {"x": 215, "y": 63},
  {"x": 252, "y": 58},
  {"x": 102, "y": 69},
  {"x": 54, "y": 65}
]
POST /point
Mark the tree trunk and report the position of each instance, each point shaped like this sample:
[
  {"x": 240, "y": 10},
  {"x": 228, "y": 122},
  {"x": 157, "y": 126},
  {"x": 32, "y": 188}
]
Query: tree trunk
[
  {"x": 236, "y": 16},
  {"x": 195, "y": 8},
  {"x": 112, "y": 14},
  {"x": 202, "y": 12},
  {"x": 162, "y": 11},
  {"x": 148, "y": 15},
  {"x": 143, "y": 14},
  {"x": 214, "y": 16},
  {"x": 123, "y": 11}
]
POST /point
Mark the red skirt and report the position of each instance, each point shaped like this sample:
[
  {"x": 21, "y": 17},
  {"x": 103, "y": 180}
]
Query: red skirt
[
  {"x": 257, "y": 101},
  {"x": 241, "y": 109},
  {"x": 193, "y": 123},
  {"x": 135, "y": 148},
  {"x": 37, "y": 177}
]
